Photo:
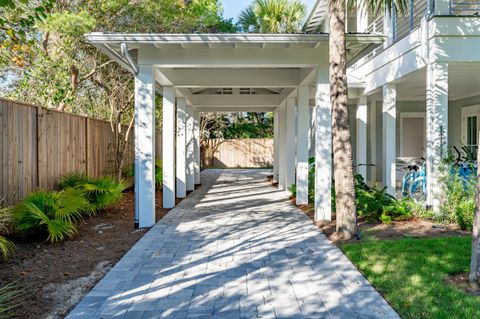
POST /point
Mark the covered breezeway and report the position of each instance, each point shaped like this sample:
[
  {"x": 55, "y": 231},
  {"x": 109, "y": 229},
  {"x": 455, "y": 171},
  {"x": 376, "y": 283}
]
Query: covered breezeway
[
  {"x": 234, "y": 248},
  {"x": 194, "y": 73}
]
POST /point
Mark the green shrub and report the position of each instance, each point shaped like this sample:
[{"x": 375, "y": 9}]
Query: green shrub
[
  {"x": 398, "y": 210},
  {"x": 457, "y": 199},
  {"x": 372, "y": 203},
  {"x": 8, "y": 297},
  {"x": 100, "y": 193},
  {"x": 49, "y": 212},
  {"x": 158, "y": 172}
]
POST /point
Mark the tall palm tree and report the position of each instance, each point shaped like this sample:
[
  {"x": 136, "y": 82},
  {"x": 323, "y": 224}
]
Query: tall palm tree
[
  {"x": 272, "y": 16},
  {"x": 346, "y": 215}
]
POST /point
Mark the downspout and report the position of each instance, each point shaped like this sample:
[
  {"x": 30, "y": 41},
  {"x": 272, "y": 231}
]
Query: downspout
[{"x": 128, "y": 57}]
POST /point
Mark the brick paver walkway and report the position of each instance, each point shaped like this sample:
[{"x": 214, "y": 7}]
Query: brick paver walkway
[{"x": 234, "y": 248}]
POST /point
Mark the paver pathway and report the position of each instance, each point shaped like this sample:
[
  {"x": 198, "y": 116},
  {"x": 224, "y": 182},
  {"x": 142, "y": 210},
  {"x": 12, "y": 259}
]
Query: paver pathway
[{"x": 234, "y": 248}]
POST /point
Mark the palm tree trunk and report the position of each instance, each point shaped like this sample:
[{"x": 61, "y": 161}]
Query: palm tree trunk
[{"x": 346, "y": 215}]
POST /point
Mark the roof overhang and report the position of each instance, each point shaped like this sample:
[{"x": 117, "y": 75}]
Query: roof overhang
[{"x": 244, "y": 50}]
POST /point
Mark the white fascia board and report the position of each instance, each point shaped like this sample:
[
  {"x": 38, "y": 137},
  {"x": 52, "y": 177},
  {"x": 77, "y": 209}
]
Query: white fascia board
[{"x": 157, "y": 38}]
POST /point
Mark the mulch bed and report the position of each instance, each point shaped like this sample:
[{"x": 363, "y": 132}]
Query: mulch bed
[
  {"x": 414, "y": 228},
  {"x": 101, "y": 239},
  {"x": 460, "y": 281}
]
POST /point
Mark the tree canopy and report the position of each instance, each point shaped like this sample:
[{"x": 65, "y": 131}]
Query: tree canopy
[{"x": 272, "y": 16}]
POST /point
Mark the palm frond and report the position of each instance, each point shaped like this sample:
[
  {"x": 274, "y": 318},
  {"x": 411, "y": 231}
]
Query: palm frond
[
  {"x": 6, "y": 247},
  {"x": 72, "y": 179},
  {"x": 8, "y": 299}
]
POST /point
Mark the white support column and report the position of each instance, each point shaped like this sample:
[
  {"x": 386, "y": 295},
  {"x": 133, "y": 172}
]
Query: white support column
[
  {"x": 275, "y": 145},
  {"x": 361, "y": 136},
  {"x": 389, "y": 127},
  {"x": 323, "y": 149},
  {"x": 145, "y": 147},
  {"x": 181, "y": 148},
  {"x": 168, "y": 147},
  {"x": 196, "y": 137},
  {"x": 290, "y": 142},
  {"x": 437, "y": 127},
  {"x": 373, "y": 139},
  {"x": 282, "y": 150},
  {"x": 303, "y": 123},
  {"x": 190, "y": 150}
]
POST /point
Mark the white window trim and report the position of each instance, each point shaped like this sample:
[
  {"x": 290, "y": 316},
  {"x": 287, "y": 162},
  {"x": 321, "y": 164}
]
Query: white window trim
[
  {"x": 466, "y": 110},
  {"x": 411, "y": 115}
]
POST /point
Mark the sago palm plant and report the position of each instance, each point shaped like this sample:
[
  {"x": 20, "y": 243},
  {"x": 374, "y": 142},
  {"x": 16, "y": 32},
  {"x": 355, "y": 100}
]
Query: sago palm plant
[
  {"x": 49, "y": 212},
  {"x": 100, "y": 193}
]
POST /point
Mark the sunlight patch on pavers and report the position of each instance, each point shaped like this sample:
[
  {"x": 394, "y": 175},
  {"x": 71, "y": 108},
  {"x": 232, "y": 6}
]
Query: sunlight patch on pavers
[{"x": 234, "y": 248}]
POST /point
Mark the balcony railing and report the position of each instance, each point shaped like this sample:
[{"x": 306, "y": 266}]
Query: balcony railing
[
  {"x": 465, "y": 7},
  {"x": 376, "y": 26}
]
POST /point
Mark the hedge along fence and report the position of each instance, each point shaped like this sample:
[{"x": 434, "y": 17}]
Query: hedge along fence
[
  {"x": 37, "y": 146},
  {"x": 255, "y": 152}
]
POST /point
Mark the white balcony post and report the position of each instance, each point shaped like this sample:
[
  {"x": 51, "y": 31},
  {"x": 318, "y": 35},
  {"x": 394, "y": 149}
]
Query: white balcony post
[
  {"x": 190, "y": 150},
  {"x": 181, "y": 148},
  {"x": 323, "y": 149},
  {"x": 282, "y": 150},
  {"x": 373, "y": 139},
  {"x": 388, "y": 28},
  {"x": 361, "y": 136},
  {"x": 196, "y": 138},
  {"x": 437, "y": 127},
  {"x": 362, "y": 18},
  {"x": 275, "y": 145},
  {"x": 389, "y": 137},
  {"x": 145, "y": 147},
  {"x": 168, "y": 147},
  {"x": 303, "y": 141},
  {"x": 290, "y": 142}
]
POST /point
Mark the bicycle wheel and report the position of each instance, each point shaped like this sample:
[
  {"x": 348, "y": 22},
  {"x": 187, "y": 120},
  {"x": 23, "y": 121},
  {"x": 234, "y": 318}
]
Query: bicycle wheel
[
  {"x": 417, "y": 192},
  {"x": 407, "y": 181}
]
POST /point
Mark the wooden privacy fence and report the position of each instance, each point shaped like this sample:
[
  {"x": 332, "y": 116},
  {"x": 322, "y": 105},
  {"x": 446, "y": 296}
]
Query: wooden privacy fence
[
  {"x": 256, "y": 152},
  {"x": 37, "y": 146}
]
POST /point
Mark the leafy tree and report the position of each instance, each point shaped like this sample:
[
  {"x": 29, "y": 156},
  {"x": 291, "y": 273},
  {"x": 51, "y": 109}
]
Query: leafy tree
[
  {"x": 346, "y": 222},
  {"x": 272, "y": 16},
  {"x": 69, "y": 74}
]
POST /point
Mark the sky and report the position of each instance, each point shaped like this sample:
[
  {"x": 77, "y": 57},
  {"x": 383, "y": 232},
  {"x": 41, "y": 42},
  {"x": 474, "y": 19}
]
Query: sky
[{"x": 233, "y": 7}]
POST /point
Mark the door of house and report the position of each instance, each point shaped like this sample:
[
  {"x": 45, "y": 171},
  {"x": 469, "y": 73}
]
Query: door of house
[
  {"x": 412, "y": 134},
  {"x": 470, "y": 126}
]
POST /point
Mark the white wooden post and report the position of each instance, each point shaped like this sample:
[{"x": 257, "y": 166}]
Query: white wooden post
[
  {"x": 362, "y": 18},
  {"x": 361, "y": 136},
  {"x": 275, "y": 145},
  {"x": 303, "y": 123},
  {"x": 437, "y": 127},
  {"x": 388, "y": 26},
  {"x": 323, "y": 149},
  {"x": 190, "y": 150},
  {"x": 168, "y": 147},
  {"x": 373, "y": 139},
  {"x": 196, "y": 137},
  {"x": 389, "y": 137},
  {"x": 145, "y": 146},
  {"x": 181, "y": 148},
  {"x": 290, "y": 142},
  {"x": 282, "y": 152}
]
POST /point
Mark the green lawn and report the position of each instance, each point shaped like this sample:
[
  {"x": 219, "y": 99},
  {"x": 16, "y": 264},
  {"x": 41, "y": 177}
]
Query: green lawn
[{"x": 409, "y": 273}]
